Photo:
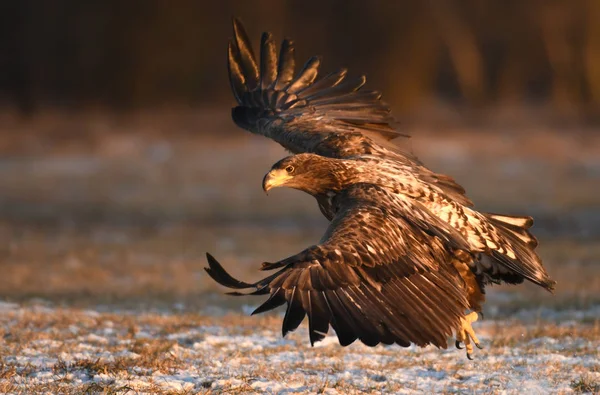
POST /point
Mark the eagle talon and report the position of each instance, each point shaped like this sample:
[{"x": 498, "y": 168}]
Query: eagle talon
[{"x": 466, "y": 335}]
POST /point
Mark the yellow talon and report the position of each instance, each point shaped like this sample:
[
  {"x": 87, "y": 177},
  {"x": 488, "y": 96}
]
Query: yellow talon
[{"x": 466, "y": 335}]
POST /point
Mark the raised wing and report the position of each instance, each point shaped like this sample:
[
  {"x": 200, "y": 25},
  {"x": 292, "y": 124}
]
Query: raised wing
[
  {"x": 332, "y": 116},
  {"x": 299, "y": 111},
  {"x": 381, "y": 274}
]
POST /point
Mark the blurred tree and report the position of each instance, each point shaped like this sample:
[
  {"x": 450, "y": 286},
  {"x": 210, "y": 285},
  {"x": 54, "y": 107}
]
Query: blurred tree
[
  {"x": 592, "y": 53},
  {"x": 148, "y": 53},
  {"x": 559, "y": 23},
  {"x": 461, "y": 42}
]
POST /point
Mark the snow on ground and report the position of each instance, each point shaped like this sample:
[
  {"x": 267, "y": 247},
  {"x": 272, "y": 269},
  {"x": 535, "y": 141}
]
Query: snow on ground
[{"x": 47, "y": 349}]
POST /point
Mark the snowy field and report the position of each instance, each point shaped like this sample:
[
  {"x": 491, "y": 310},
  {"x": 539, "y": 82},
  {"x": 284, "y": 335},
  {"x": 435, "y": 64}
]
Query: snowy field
[
  {"x": 102, "y": 288},
  {"x": 54, "y": 350}
]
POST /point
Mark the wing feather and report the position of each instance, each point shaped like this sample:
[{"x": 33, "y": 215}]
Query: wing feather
[
  {"x": 408, "y": 293},
  {"x": 338, "y": 90},
  {"x": 368, "y": 333},
  {"x": 295, "y": 313},
  {"x": 245, "y": 55},
  {"x": 287, "y": 65},
  {"x": 318, "y": 319},
  {"x": 324, "y": 84},
  {"x": 276, "y": 299},
  {"x": 236, "y": 75},
  {"x": 268, "y": 63},
  {"x": 287, "y": 108},
  {"x": 306, "y": 76},
  {"x": 341, "y": 321}
]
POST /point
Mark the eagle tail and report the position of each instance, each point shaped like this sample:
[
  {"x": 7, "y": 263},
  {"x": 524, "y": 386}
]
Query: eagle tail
[
  {"x": 272, "y": 87},
  {"x": 526, "y": 262},
  {"x": 516, "y": 226}
]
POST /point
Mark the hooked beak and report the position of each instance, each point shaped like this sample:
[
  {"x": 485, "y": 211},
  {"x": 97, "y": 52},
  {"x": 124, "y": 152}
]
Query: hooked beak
[{"x": 275, "y": 178}]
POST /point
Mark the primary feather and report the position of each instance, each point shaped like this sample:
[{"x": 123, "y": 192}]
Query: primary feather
[{"x": 297, "y": 110}]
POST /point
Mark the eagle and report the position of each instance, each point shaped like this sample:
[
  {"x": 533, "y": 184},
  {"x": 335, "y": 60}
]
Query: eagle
[{"x": 406, "y": 256}]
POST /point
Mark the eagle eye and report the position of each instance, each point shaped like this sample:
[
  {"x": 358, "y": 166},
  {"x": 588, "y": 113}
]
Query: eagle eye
[{"x": 289, "y": 169}]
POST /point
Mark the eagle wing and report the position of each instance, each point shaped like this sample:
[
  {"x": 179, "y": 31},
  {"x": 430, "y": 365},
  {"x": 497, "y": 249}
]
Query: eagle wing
[
  {"x": 299, "y": 111},
  {"x": 381, "y": 273},
  {"x": 332, "y": 116}
]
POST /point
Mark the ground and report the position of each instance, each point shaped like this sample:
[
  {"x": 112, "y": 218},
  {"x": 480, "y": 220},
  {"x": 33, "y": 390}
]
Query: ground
[
  {"x": 104, "y": 233},
  {"x": 76, "y": 350}
]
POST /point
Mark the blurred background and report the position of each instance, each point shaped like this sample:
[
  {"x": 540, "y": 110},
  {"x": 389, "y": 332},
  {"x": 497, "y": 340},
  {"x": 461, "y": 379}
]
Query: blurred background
[
  {"x": 120, "y": 166},
  {"x": 137, "y": 54}
]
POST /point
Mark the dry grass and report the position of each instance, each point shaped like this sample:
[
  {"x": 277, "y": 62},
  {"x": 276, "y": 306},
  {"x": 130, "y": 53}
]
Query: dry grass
[
  {"x": 75, "y": 351},
  {"x": 586, "y": 384}
]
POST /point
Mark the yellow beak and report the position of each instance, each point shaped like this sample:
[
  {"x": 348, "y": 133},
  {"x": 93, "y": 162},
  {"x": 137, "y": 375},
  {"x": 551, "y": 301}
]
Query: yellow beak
[{"x": 275, "y": 178}]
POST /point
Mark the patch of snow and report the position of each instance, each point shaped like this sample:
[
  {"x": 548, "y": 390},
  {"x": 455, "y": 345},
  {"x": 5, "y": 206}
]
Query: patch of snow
[
  {"x": 143, "y": 335},
  {"x": 174, "y": 382},
  {"x": 225, "y": 359},
  {"x": 328, "y": 341},
  {"x": 7, "y": 306},
  {"x": 275, "y": 387},
  {"x": 93, "y": 338}
]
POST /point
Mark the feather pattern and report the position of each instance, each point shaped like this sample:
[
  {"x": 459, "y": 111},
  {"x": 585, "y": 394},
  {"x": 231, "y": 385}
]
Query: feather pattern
[
  {"x": 332, "y": 116},
  {"x": 403, "y": 295},
  {"x": 268, "y": 62},
  {"x": 245, "y": 56},
  {"x": 290, "y": 112},
  {"x": 381, "y": 272},
  {"x": 504, "y": 239}
]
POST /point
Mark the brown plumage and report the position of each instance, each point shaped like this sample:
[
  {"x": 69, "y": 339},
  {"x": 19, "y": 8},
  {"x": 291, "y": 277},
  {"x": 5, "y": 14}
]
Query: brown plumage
[
  {"x": 298, "y": 112},
  {"x": 435, "y": 247},
  {"x": 335, "y": 117},
  {"x": 382, "y": 273}
]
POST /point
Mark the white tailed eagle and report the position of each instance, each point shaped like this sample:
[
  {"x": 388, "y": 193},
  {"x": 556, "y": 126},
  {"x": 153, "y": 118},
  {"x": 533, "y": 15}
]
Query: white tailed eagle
[{"x": 405, "y": 255}]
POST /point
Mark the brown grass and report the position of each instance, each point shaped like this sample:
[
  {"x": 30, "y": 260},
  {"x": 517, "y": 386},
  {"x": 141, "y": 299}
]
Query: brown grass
[
  {"x": 586, "y": 384},
  {"x": 141, "y": 347}
]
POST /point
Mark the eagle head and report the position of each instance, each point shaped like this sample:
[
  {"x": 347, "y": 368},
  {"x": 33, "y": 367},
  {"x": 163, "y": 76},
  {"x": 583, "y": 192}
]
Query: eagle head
[{"x": 310, "y": 173}]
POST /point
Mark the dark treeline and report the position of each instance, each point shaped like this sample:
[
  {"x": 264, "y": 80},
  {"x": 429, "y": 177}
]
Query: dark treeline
[{"x": 131, "y": 54}]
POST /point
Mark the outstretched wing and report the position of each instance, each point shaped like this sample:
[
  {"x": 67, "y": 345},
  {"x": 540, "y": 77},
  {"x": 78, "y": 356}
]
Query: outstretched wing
[
  {"x": 299, "y": 111},
  {"x": 381, "y": 273},
  {"x": 332, "y": 116}
]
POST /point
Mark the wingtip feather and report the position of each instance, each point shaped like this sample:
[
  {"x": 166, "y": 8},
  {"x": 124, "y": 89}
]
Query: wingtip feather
[
  {"x": 246, "y": 55},
  {"x": 268, "y": 61},
  {"x": 236, "y": 76},
  {"x": 220, "y": 275},
  {"x": 306, "y": 76},
  {"x": 274, "y": 86}
]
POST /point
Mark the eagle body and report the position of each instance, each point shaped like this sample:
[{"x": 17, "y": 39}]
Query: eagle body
[
  {"x": 405, "y": 254},
  {"x": 504, "y": 243}
]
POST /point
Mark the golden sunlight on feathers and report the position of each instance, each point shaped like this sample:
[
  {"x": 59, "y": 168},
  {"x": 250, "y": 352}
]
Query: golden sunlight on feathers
[{"x": 406, "y": 255}]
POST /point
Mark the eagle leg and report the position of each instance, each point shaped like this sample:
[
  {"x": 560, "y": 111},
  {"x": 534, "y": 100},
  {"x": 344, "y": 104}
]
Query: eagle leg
[{"x": 465, "y": 334}]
